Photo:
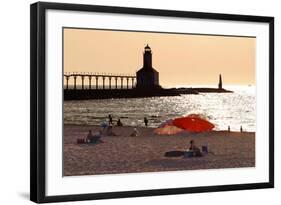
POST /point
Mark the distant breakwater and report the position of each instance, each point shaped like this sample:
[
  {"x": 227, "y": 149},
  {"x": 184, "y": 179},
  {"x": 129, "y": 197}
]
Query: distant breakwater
[{"x": 87, "y": 94}]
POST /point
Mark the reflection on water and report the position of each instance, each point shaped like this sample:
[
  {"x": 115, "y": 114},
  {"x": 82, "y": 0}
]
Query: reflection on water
[{"x": 222, "y": 109}]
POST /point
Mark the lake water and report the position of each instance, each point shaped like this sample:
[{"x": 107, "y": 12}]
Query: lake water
[{"x": 222, "y": 109}]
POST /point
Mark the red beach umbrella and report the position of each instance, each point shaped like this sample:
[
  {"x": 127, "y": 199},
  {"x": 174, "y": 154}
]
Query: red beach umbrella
[{"x": 193, "y": 123}]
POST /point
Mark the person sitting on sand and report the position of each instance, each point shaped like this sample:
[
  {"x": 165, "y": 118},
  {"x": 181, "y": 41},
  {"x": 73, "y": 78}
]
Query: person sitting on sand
[
  {"x": 195, "y": 149},
  {"x": 119, "y": 123},
  {"x": 92, "y": 138},
  {"x": 89, "y": 136},
  {"x": 135, "y": 133}
]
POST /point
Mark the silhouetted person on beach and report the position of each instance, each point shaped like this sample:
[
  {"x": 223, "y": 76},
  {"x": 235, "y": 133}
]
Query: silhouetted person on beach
[
  {"x": 89, "y": 136},
  {"x": 145, "y": 121},
  {"x": 119, "y": 123},
  {"x": 241, "y": 129},
  {"x": 110, "y": 119},
  {"x": 196, "y": 150},
  {"x": 93, "y": 138},
  {"x": 228, "y": 129}
]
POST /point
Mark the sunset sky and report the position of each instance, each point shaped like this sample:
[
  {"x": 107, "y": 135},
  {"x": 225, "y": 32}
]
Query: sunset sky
[{"x": 180, "y": 59}]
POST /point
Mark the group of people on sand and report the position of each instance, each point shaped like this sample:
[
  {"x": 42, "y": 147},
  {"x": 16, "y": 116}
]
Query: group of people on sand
[
  {"x": 96, "y": 137},
  {"x": 241, "y": 128},
  {"x": 110, "y": 121},
  {"x": 107, "y": 130},
  {"x": 120, "y": 124}
]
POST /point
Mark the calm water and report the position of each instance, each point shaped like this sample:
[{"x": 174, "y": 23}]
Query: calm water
[{"x": 222, "y": 109}]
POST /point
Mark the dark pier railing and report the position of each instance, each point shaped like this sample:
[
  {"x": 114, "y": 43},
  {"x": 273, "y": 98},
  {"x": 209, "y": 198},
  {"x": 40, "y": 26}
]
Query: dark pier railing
[
  {"x": 99, "y": 76},
  {"x": 110, "y": 89},
  {"x": 106, "y": 86}
]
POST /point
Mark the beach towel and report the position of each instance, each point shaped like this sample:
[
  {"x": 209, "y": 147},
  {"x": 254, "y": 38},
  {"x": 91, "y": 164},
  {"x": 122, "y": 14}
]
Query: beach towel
[{"x": 174, "y": 153}]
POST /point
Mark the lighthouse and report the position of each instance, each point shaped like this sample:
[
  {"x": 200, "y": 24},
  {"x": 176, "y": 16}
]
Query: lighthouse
[
  {"x": 220, "y": 83},
  {"x": 147, "y": 76}
]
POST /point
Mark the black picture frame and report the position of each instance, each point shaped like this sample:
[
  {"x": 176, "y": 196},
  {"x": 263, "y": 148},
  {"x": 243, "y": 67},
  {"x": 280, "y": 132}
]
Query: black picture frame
[{"x": 38, "y": 103}]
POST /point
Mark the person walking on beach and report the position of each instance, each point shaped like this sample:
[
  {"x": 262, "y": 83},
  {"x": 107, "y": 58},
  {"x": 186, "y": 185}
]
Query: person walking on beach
[
  {"x": 145, "y": 121},
  {"x": 110, "y": 120}
]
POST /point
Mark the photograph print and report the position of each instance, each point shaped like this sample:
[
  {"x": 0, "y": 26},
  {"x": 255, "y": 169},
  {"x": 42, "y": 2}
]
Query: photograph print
[{"x": 137, "y": 101}]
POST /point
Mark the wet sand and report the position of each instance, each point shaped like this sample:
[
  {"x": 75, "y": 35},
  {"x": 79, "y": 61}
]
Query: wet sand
[{"x": 145, "y": 153}]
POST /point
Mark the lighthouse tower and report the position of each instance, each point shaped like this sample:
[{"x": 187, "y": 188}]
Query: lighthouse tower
[
  {"x": 147, "y": 76},
  {"x": 220, "y": 83}
]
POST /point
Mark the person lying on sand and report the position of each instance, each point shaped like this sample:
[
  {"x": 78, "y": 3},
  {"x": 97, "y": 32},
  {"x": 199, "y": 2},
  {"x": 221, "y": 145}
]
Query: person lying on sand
[{"x": 195, "y": 149}]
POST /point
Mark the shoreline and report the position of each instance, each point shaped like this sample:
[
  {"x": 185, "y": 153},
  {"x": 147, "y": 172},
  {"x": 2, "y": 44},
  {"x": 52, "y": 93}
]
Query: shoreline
[
  {"x": 146, "y": 153},
  {"x": 127, "y": 126}
]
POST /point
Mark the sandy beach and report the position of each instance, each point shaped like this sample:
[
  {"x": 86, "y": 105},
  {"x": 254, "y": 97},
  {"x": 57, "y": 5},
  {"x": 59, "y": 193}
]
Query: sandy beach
[{"x": 146, "y": 153}]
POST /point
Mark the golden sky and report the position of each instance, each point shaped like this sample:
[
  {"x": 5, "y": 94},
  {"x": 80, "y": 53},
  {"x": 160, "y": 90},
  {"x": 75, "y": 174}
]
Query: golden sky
[{"x": 180, "y": 59}]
